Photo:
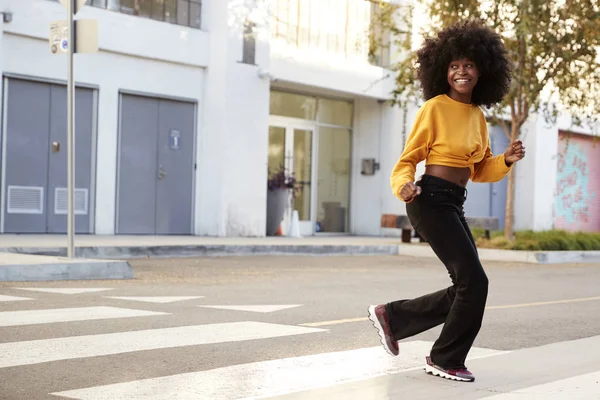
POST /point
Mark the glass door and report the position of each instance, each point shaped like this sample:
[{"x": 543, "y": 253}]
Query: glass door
[
  {"x": 333, "y": 182},
  {"x": 291, "y": 146},
  {"x": 301, "y": 157}
]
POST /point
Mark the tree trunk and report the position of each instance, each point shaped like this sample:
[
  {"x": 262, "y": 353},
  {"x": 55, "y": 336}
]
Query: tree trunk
[
  {"x": 509, "y": 210},
  {"x": 510, "y": 205}
]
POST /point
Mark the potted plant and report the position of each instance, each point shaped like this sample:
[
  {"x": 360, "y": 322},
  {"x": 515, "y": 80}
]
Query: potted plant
[{"x": 279, "y": 186}]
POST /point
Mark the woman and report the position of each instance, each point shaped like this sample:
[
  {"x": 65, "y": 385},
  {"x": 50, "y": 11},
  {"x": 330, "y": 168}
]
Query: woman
[{"x": 464, "y": 67}]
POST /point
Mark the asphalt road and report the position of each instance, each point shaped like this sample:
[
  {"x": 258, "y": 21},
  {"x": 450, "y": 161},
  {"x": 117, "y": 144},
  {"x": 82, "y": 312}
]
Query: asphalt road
[{"x": 59, "y": 345}]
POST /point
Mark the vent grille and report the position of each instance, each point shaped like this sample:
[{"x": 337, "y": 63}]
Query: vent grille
[
  {"x": 61, "y": 201},
  {"x": 25, "y": 200}
]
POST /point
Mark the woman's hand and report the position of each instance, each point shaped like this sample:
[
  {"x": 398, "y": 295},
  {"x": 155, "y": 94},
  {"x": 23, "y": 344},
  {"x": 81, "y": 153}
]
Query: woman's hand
[
  {"x": 409, "y": 191},
  {"x": 514, "y": 152}
]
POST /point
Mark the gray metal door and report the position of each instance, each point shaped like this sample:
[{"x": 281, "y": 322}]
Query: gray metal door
[
  {"x": 478, "y": 200},
  {"x": 137, "y": 165},
  {"x": 26, "y": 156},
  {"x": 34, "y": 189},
  {"x": 156, "y": 166},
  {"x": 176, "y": 167},
  {"x": 57, "y": 200},
  {"x": 498, "y": 189},
  {"x": 489, "y": 199}
]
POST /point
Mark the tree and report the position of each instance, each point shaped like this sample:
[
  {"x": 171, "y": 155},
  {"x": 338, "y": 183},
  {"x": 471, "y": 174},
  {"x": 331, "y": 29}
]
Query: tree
[{"x": 555, "y": 49}]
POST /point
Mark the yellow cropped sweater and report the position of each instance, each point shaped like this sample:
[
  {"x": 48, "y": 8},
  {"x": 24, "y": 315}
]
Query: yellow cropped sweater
[{"x": 448, "y": 132}]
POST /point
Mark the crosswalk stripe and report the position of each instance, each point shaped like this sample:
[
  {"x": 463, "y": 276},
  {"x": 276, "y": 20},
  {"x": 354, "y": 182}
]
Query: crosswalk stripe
[
  {"x": 270, "y": 378},
  {"x": 259, "y": 308},
  {"x": 12, "y": 298},
  {"x": 64, "y": 290},
  {"x": 155, "y": 299},
  {"x": 33, "y": 317},
  {"x": 56, "y": 349},
  {"x": 581, "y": 387}
]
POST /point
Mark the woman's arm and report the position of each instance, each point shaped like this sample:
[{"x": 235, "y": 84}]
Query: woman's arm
[
  {"x": 415, "y": 151},
  {"x": 491, "y": 168}
]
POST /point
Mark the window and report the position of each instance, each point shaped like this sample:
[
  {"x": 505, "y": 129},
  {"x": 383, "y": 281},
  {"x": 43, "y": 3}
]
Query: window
[
  {"x": 249, "y": 48},
  {"x": 179, "y": 12},
  {"x": 335, "y": 112},
  {"x": 293, "y": 105},
  {"x": 333, "y": 27}
]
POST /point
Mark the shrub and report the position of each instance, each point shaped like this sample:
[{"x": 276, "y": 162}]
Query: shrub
[{"x": 553, "y": 240}]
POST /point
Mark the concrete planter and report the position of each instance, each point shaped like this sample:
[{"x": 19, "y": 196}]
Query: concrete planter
[{"x": 276, "y": 203}]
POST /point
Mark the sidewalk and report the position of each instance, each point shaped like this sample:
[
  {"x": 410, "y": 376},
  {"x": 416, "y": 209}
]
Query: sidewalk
[
  {"x": 24, "y": 267},
  {"x": 128, "y": 247}
]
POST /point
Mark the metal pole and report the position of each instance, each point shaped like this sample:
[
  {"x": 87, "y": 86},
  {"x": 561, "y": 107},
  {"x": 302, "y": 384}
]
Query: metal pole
[{"x": 70, "y": 126}]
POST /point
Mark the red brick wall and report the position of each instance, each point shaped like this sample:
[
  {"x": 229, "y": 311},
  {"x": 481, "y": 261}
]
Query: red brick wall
[{"x": 577, "y": 202}]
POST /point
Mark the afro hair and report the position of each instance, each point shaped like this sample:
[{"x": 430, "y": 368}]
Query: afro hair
[{"x": 474, "y": 41}]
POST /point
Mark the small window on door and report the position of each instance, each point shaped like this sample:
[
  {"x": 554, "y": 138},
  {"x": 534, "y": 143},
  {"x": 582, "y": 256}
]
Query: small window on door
[{"x": 249, "y": 49}]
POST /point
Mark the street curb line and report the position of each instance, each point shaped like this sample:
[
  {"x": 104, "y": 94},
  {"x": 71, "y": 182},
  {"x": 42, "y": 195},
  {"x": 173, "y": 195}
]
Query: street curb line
[
  {"x": 164, "y": 251},
  {"x": 217, "y": 250},
  {"x": 61, "y": 271}
]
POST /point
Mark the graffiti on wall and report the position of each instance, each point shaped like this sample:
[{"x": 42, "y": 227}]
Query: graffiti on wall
[{"x": 572, "y": 193}]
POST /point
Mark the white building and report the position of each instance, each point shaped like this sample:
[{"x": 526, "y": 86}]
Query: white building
[{"x": 180, "y": 115}]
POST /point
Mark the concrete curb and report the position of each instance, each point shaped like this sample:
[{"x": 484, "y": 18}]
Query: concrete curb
[
  {"x": 220, "y": 250},
  {"x": 559, "y": 257},
  {"x": 530, "y": 257},
  {"x": 132, "y": 252},
  {"x": 60, "y": 271},
  {"x": 484, "y": 254}
]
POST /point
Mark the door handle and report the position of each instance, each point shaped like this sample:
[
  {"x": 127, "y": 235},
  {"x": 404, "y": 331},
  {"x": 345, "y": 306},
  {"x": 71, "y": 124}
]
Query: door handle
[
  {"x": 161, "y": 173},
  {"x": 55, "y": 147}
]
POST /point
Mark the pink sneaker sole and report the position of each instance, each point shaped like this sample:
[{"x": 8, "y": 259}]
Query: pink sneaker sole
[
  {"x": 381, "y": 332},
  {"x": 455, "y": 375}
]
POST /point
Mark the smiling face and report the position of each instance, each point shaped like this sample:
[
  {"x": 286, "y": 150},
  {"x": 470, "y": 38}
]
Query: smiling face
[{"x": 462, "y": 78}]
